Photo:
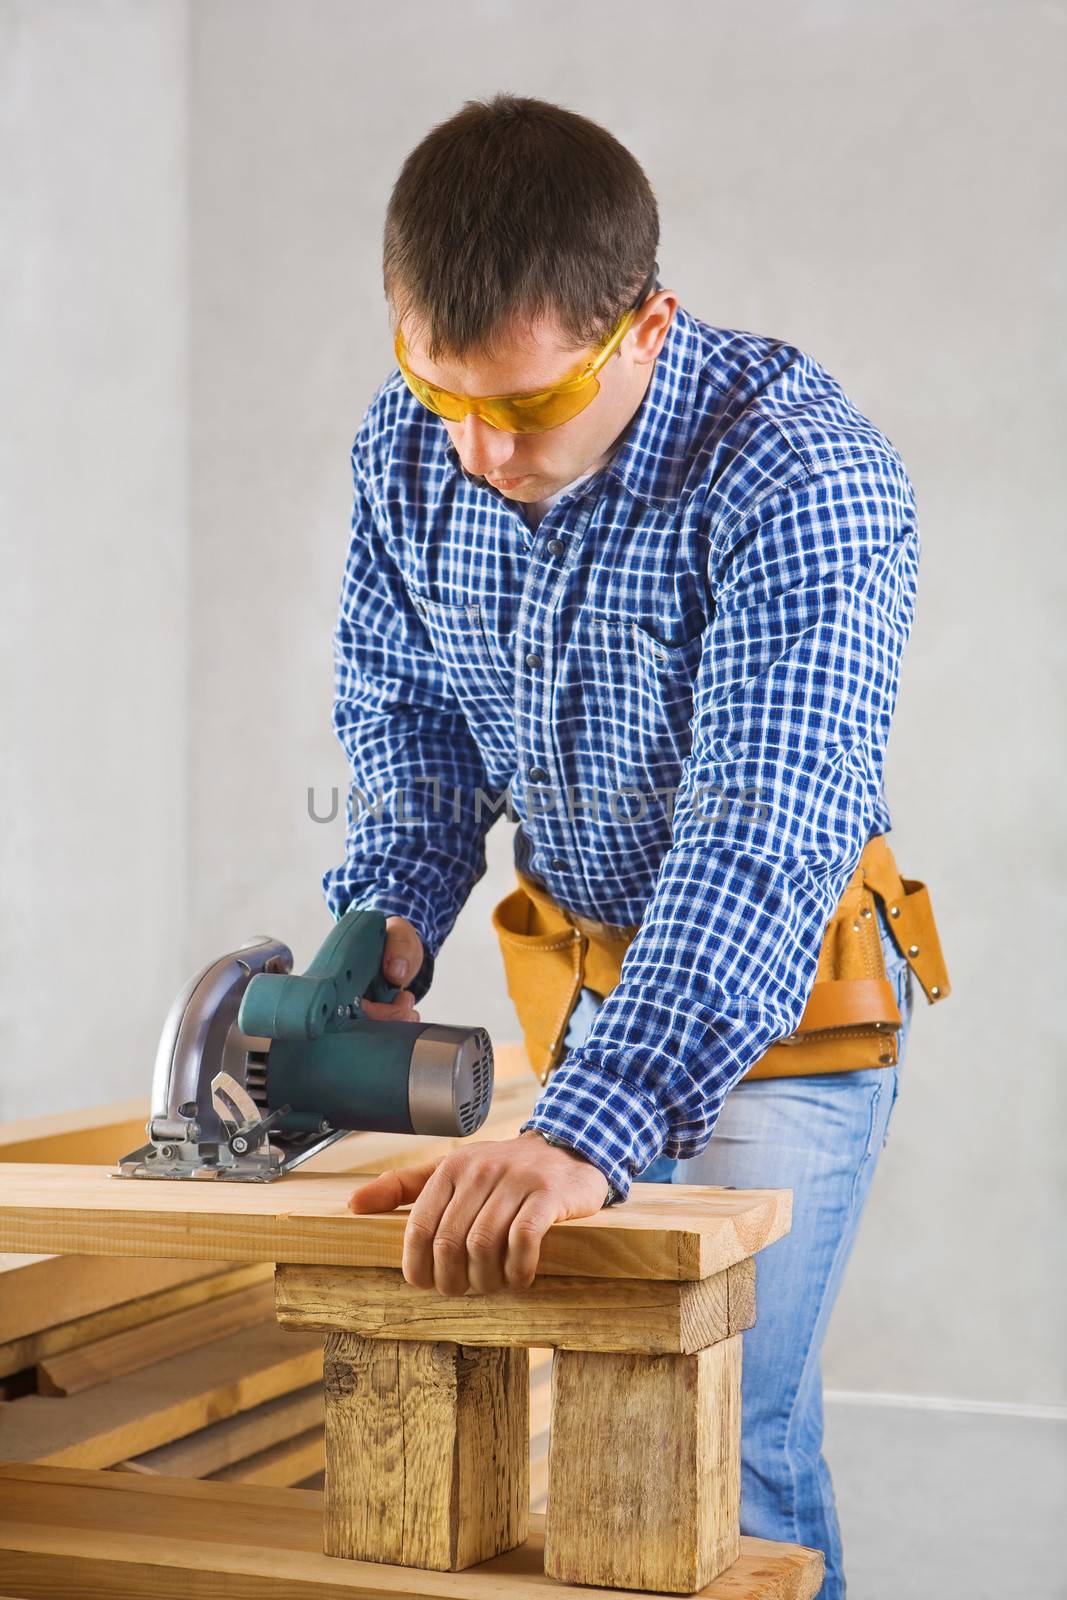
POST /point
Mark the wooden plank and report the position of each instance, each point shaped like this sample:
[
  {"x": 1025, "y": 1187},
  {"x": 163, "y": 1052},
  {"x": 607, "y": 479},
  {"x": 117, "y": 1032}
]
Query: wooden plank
[
  {"x": 120, "y": 1353},
  {"x": 644, "y": 1477},
  {"x": 113, "y": 1536},
  {"x": 539, "y": 1454},
  {"x": 668, "y": 1231},
  {"x": 281, "y": 1465},
  {"x": 221, "y": 1444},
  {"x": 540, "y": 1425},
  {"x": 426, "y": 1452},
  {"x": 160, "y": 1403},
  {"x": 540, "y": 1400},
  {"x": 646, "y": 1316},
  {"x": 98, "y": 1133},
  {"x": 32, "y": 1348},
  {"x": 48, "y": 1291}
]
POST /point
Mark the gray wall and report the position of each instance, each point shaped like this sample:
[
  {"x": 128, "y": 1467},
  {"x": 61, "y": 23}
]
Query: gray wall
[
  {"x": 94, "y": 545},
  {"x": 872, "y": 181}
]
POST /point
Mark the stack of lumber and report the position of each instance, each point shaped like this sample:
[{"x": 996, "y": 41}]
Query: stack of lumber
[{"x": 179, "y": 1368}]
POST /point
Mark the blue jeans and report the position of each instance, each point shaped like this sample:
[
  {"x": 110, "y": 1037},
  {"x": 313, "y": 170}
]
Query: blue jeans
[{"x": 820, "y": 1136}]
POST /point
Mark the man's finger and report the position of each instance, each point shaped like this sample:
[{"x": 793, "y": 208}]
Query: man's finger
[
  {"x": 397, "y": 1187},
  {"x": 451, "y": 1247},
  {"x": 400, "y": 1009},
  {"x": 402, "y": 956},
  {"x": 417, "y": 1262},
  {"x": 488, "y": 1239},
  {"x": 532, "y": 1221}
]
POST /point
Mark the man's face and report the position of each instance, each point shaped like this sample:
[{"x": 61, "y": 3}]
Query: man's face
[{"x": 532, "y": 466}]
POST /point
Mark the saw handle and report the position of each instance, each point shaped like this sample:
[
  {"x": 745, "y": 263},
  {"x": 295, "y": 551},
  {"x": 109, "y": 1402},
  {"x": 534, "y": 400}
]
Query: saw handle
[{"x": 328, "y": 997}]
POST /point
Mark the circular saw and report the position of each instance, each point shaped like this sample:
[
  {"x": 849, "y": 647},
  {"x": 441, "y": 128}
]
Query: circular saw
[{"x": 260, "y": 1068}]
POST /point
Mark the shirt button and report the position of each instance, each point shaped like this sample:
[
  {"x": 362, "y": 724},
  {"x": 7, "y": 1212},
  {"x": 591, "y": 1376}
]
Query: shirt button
[
  {"x": 555, "y": 547},
  {"x": 538, "y": 775},
  {"x": 558, "y": 864},
  {"x": 534, "y": 660}
]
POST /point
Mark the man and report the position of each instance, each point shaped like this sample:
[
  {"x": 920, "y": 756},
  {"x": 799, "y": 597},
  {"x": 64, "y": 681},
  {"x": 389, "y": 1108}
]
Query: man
[{"x": 610, "y": 561}]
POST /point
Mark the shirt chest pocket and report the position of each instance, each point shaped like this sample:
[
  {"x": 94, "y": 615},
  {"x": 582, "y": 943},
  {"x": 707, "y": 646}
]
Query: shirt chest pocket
[
  {"x": 645, "y": 685},
  {"x": 474, "y": 652}
]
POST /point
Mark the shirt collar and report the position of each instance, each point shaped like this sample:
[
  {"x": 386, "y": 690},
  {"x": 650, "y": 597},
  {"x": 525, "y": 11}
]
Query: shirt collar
[{"x": 652, "y": 459}]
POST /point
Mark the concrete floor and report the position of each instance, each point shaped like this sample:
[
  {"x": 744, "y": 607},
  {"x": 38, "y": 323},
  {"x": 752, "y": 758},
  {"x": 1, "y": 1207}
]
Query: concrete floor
[{"x": 947, "y": 1505}]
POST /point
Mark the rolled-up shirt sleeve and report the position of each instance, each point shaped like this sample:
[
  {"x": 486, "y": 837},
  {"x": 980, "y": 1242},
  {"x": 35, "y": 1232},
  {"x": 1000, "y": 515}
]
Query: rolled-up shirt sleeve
[
  {"x": 409, "y": 850},
  {"x": 813, "y": 590}
]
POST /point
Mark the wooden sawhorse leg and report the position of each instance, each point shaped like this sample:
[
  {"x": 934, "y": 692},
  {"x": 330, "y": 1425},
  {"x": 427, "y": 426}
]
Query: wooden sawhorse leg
[
  {"x": 644, "y": 1468},
  {"x": 427, "y": 1451}
]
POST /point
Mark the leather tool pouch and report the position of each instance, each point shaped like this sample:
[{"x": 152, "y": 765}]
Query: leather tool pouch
[{"x": 851, "y": 1019}]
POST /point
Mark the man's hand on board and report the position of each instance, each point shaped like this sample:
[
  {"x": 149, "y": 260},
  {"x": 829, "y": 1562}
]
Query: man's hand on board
[{"x": 478, "y": 1215}]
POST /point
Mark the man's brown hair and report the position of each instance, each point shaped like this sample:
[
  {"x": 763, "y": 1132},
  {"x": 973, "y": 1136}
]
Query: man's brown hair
[{"x": 514, "y": 209}]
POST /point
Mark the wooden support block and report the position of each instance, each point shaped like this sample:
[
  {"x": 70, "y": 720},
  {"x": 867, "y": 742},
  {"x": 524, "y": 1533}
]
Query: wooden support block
[
  {"x": 645, "y": 1316},
  {"x": 69, "y": 1535},
  {"x": 644, "y": 1470},
  {"x": 427, "y": 1451}
]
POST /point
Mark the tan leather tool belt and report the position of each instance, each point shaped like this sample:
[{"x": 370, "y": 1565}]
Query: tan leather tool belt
[{"x": 851, "y": 1019}]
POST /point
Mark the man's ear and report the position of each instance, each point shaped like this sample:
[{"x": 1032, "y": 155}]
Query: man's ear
[{"x": 651, "y": 325}]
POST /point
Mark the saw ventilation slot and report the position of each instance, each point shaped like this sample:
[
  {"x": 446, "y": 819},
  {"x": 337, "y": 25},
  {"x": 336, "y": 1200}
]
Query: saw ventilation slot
[
  {"x": 481, "y": 1085},
  {"x": 256, "y": 1079}
]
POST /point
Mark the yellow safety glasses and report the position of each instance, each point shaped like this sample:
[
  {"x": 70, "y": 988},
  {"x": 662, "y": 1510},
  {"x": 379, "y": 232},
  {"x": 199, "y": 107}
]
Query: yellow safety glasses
[{"x": 538, "y": 410}]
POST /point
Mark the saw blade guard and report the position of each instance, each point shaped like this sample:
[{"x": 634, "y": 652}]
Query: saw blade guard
[{"x": 200, "y": 1039}]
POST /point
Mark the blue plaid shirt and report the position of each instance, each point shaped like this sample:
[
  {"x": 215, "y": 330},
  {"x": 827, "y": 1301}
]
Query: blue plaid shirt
[{"x": 681, "y": 684}]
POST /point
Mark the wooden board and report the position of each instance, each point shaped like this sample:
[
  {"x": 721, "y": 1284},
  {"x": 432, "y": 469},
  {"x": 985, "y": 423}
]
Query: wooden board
[
  {"x": 32, "y": 1348},
  {"x": 102, "y": 1535},
  {"x": 141, "y": 1346},
  {"x": 99, "y": 1133},
  {"x": 159, "y": 1403},
  {"x": 281, "y": 1465},
  {"x": 643, "y": 1315},
  {"x": 45, "y": 1291},
  {"x": 675, "y": 1231},
  {"x": 235, "y": 1439}
]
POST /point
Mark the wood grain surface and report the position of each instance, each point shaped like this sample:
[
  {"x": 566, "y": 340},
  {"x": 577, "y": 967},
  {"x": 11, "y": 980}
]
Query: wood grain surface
[
  {"x": 643, "y": 1315},
  {"x": 426, "y": 1451},
  {"x": 677, "y": 1232},
  {"x": 644, "y": 1474},
  {"x": 160, "y": 1403},
  {"x": 100, "y": 1535}
]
